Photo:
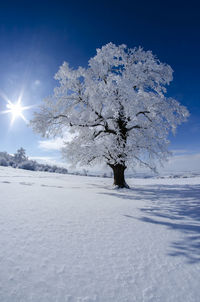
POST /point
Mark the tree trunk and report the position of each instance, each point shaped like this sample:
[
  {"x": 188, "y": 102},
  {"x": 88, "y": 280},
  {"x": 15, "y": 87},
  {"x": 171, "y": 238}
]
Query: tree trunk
[{"x": 119, "y": 180}]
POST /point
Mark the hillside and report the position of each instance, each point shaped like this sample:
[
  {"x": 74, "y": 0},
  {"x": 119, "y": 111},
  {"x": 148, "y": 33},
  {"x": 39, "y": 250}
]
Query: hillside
[{"x": 67, "y": 238}]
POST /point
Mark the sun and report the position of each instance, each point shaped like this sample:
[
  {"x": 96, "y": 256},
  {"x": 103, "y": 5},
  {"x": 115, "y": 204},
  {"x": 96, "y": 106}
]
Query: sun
[{"x": 16, "y": 109}]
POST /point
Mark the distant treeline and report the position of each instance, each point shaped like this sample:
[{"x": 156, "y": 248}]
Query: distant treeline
[{"x": 21, "y": 161}]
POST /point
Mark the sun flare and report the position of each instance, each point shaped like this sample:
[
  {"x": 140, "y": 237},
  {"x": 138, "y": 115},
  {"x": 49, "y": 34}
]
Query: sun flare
[{"x": 16, "y": 109}]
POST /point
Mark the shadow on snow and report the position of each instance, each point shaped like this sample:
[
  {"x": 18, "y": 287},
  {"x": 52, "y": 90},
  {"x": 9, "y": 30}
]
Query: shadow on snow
[{"x": 176, "y": 207}]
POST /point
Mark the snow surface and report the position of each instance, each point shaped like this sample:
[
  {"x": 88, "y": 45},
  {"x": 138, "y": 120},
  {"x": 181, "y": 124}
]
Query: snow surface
[{"x": 69, "y": 238}]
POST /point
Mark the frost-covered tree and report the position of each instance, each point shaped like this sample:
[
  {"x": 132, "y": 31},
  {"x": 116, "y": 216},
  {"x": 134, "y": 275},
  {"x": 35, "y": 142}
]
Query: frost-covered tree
[
  {"x": 117, "y": 109},
  {"x": 20, "y": 156}
]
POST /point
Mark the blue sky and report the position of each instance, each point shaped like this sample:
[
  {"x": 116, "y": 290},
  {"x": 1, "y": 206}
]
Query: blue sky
[{"x": 36, "y": 37}]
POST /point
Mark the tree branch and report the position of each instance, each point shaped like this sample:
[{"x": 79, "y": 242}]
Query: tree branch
[
  {"x": 135, "y": 127},
  {"x": 107, "y": 130},
  {"x": 77, "y": 125},
  {"x": 145, "y": 114}
]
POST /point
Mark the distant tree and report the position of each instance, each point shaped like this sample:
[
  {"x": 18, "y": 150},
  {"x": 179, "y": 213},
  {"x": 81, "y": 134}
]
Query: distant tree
[
  {"x": 21, "y": 161},
  {"x": 117, "y": 108},
  {"x": 28, "y": 165},
  {"x": 4, "y": 155},
  {"x": 4, "y": 162},
  {"x": 85, "y": 172},
  {"x": 20, "y": 156}
]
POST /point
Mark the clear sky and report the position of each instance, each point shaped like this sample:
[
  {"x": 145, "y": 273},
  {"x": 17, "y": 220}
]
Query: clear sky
[{"x": 37, "y": 36}]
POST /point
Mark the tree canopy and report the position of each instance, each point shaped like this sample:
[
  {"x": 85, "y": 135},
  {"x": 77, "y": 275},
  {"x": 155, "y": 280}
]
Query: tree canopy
[{"x": 117, "y": 109}]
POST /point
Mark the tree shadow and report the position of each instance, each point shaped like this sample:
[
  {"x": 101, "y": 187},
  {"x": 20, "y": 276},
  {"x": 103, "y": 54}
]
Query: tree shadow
[{"x": 176, "y": 207}]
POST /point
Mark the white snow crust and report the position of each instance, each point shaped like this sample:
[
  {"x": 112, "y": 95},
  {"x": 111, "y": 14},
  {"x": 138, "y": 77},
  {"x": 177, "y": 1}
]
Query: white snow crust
[{"x": 67, "y": 238}]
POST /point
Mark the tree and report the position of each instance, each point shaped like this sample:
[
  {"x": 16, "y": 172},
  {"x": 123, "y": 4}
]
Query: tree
[
  {"x": 20, "y": 156},
  {"x": 117, "y": 109}
]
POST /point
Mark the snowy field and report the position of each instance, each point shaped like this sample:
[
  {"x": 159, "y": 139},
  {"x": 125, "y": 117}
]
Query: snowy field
[{"x": 69, "y": 238}]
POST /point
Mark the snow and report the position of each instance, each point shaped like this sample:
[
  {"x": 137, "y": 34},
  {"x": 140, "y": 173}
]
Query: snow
[{"x": 67, "y": 238}]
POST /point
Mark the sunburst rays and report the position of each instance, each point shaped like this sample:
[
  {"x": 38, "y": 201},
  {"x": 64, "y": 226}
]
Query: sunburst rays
[{"x": 15, "y": 108}]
